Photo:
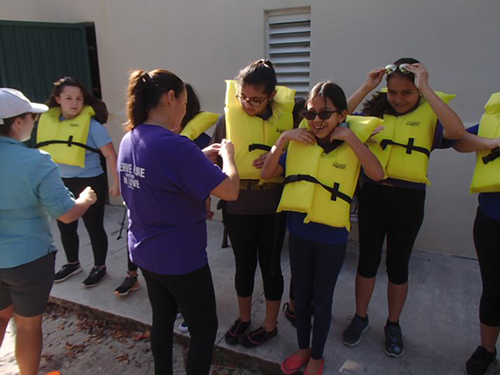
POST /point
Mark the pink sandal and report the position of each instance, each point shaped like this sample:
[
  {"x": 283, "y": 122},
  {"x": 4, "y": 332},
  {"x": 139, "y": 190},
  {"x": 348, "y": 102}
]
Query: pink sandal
[{"x": 294, "y": 363}]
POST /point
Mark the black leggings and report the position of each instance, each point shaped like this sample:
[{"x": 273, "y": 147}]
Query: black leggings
[
  {"x": 131, "y": 266},
  {"x": 93, "y": 220},
  {"x": 315, "y": 269},
  {"x": 257, "y": 237},
  {"x": 194, "y": 294},
  {"x": 487, "y": 242},
  {"x": 394, "y": 212}
]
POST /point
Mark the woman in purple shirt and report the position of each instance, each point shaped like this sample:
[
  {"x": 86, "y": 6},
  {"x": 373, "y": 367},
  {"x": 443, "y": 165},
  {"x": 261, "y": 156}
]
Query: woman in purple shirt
[{"x": 165, "y": 180}]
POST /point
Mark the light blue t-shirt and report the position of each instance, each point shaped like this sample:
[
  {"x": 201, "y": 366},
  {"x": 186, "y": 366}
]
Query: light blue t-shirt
[
  {"x": 31, "y": 189},
  {"x": 98, "y": 137}
]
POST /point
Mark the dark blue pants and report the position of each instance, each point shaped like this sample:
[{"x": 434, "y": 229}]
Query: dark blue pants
[{"x": 315, "y": 269}]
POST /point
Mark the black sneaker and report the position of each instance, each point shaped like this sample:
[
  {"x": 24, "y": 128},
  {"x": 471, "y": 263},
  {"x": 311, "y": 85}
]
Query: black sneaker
[
  {"x": 394, "y": 346},
  {"x": 479, "y": 362},
  {"x": 289, "y": 314},
  {"x": 97, "y": 274},
  {"x": 353, "y": 332},
  {"x": 67, "y": 271},
  {"x": 129, "y": 284},
  {"x": 236, "y": 331},
  {"x": 257, "y": 337}
]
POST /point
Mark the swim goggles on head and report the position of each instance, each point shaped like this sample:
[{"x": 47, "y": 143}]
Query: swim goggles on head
[{"x": 391, "y": 68}]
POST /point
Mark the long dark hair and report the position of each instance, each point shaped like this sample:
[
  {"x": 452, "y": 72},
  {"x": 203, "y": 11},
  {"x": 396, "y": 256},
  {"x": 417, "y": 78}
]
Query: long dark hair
[
  {"x": 260, "y": 73},
  {"x": 193, "y": 106},
  {"x": 145, "y": 90},
  {"x": 378, "y": 105},
  {"x": 101, "y": 112}
]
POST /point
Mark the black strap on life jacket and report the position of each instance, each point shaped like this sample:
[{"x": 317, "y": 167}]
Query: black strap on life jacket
[
  {"x": 334, "y": 191},
  {"x": 495, "y": 153},
  {"x": 69, "y": 142},
  {"x": 409, "y": 147},
  {"x": 258, "y": 146}
]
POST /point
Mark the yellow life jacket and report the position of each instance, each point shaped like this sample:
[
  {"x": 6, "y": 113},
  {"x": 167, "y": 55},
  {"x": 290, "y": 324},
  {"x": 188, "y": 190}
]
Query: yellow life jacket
[
  {"x": 201, "y": 122},
  {"x": 404, "y": 146},
  {"x": 322, "y": 184},
  {"x": 251, "y": 135},
  {"x": 65, "y": 141},
  {"x": 486, "y": 177}
]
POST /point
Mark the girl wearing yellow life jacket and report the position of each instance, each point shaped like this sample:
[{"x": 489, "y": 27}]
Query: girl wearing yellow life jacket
[
  {"x": 416, "y": 121},
  {"x": 257, "y": 112},
  {"x": 322, "y": 165},
  {"x": 484, "y": 139},
  {"x": 71, "y": 131}
]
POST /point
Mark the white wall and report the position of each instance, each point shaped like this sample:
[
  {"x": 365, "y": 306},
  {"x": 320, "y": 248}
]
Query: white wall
[{"x": 206, "y": 42}]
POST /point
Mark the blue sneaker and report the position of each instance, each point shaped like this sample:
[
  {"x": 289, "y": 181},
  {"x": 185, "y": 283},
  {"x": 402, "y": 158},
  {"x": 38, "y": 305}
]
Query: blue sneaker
[
  {"x": 352, "y": 334},
  {"x": 394, "y": 346}
]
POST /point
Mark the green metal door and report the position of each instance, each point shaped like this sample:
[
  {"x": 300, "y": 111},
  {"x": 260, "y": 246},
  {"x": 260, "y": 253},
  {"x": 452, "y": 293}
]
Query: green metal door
[{"x": 35, "y": 54}]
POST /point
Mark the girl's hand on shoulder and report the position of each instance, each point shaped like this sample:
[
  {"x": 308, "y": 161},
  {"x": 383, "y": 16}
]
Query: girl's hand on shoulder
[
  {"x": 341, "y": 133},
  {"x": 377, "y": 130},
  {"x": 421, "y": 75},
  {"x": 300, "y": 135},
  {"x": 374, "y": 78}
]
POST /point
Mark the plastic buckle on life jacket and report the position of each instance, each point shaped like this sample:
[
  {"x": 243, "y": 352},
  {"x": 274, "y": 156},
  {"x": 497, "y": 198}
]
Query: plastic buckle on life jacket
[
  {"x": 335, "y": 191},
  {"x": 384, "y": 143},
  {"x": 495, "y": 153},
  {"x": 70, "y": 141},
  {"x": 409, "y": 146},
  {"x": 258, "y": 146}
]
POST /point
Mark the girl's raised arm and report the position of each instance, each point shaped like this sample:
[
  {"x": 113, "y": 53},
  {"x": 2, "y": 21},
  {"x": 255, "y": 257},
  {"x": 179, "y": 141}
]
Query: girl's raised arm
[
  {"x": 373, "y": 79},
  {"x": 452, "y": 124}
]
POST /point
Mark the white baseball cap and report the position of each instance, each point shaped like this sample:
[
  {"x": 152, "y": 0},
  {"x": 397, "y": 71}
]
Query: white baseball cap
[{"x": 14, "y": 103}]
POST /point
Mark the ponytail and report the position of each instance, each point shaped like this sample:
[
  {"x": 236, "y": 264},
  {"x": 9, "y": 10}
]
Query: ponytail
[
  {"x": 144, "y": 93},
  {"x": 259, "y": 73}
]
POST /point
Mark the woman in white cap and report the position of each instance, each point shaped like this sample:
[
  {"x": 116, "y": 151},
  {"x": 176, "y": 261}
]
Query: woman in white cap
[{"x": 31, "y": 189}]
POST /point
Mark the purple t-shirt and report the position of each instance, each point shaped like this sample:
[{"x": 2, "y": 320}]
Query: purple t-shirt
[{"x": 165, "y": 180}]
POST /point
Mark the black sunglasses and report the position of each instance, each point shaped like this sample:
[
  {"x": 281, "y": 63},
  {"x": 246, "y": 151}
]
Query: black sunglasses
[{"x": 323, "y": 115}]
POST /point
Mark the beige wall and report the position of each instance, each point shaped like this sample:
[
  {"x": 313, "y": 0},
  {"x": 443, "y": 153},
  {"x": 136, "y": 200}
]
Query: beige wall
[{"x": 206, "y": 42}]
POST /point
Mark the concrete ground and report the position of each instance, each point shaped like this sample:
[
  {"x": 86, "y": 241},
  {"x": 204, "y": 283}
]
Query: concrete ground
[{"x": 440, "y": 320}]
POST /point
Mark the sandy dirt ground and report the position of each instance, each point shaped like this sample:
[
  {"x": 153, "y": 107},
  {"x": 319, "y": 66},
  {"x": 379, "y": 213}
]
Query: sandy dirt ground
[{"x": 77, "y": 344}]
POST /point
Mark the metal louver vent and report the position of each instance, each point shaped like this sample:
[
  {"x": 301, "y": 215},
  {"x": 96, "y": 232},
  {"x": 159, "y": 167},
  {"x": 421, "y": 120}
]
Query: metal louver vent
[{"x": 289, "y": 47}]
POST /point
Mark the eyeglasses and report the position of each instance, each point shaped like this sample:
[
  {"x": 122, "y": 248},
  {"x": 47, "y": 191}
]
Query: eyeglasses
[
  {"x": 323, "y": 115},
  {"x": 253, "y": 102},
  {"x": 391, "y": 68}
]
